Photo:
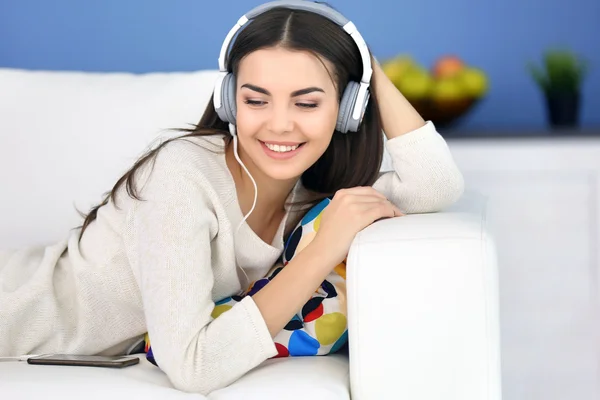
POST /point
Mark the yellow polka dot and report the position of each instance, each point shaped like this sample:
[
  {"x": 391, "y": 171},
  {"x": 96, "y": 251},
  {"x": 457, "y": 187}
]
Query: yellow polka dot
[
  {"x": 341, "y": 270},
  {"x": 218, "y": 310},
  {"x": 330, "y": 327},
  {"x": 317, "y": 222}
]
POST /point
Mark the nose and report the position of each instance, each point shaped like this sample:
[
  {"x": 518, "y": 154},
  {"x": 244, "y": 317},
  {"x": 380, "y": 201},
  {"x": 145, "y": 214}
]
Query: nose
[{"x": 280, "y": 120}]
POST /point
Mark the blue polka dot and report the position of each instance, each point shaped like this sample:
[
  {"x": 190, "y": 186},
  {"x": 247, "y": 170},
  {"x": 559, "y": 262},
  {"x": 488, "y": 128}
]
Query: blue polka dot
[
  {"x": 315, "y": 211},
  {"x": 301, "y": 344},
  {"x": 340, "y": 342},
  {"x": 294, "y": 324},
  {"x": 225, "y": 300},
  {"x": 290, "y": 248},
  {"x": 259, "y": 284}
]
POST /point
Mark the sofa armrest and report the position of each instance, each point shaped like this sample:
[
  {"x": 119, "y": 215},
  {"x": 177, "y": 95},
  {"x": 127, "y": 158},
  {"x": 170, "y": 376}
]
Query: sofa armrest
[{"x": 423, "y": 311}]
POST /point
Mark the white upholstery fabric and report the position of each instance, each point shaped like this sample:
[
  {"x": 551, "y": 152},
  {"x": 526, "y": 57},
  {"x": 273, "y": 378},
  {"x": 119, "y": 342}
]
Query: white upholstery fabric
[
  {"x": 66, "y": 137},
  {"x": 290, "y": 379},
  {"x": 424, "y": 301}
]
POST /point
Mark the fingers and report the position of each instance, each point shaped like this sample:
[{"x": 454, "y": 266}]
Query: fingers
[
  {"x": 359, "y": 191},
  {"x": 366, "y": 194},
  {"x": 373, "y": 201},
  {"x": 375, "y": 210},
  {"x": 366, "y": 199}
]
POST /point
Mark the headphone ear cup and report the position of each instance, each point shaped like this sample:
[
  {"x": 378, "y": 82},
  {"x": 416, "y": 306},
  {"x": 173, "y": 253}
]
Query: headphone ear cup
[
  {"x": 344, "y": 122},
  {"x": 228, "y": 109}
]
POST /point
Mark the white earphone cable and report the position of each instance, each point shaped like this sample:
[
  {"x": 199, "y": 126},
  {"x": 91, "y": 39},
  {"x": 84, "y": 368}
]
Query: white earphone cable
[{"x": 237, "y": 157}]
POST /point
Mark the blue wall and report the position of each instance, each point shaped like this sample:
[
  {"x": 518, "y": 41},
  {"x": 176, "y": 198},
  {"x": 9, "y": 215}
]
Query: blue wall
[{"x": 149, "y": 35}]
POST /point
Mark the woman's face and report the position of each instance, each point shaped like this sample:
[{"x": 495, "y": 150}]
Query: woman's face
[{"x": 287, "y": 108}]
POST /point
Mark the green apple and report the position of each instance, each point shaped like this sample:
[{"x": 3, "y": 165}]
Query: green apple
[
  {"x": 448, "y": 89},
  {"x": 396, "y": 68},
  {"x": 416, "y": 83},
  {"x": 474, "y": 82}
]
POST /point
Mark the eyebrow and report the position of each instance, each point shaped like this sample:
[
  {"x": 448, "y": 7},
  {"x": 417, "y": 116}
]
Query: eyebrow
[{"x": 295, "y": 93}]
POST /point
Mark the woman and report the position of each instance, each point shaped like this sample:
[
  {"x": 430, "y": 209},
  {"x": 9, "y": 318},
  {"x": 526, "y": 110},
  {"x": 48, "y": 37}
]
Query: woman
[{"x": 200, "y": 216}]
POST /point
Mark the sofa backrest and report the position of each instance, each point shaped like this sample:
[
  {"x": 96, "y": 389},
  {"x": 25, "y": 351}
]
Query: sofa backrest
[{"x": 66, "y": 137}]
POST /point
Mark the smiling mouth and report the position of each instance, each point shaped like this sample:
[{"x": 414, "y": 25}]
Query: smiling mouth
[
  {"x": 279, "y": 148},
  {"x": 281, "y": 151}
]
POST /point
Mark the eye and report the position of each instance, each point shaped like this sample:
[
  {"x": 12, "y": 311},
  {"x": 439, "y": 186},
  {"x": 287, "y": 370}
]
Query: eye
[
  {"x": 255, "y": 102},
  {"x": 307, "y": 105}
]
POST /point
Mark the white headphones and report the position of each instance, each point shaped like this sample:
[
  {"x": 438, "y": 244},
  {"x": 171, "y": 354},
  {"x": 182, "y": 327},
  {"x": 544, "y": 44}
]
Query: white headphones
[
  {"x": 356, "y": 95},
  {"x": 354, "y": 100}
]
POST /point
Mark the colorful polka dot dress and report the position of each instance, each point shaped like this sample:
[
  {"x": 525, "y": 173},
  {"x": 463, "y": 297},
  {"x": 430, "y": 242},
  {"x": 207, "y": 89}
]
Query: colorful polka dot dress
[{"x": 320, "y": 327}]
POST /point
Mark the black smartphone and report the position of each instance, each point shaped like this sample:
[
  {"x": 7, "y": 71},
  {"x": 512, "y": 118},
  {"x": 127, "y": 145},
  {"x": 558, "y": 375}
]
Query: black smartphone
[{"x": 84, "y": 361}]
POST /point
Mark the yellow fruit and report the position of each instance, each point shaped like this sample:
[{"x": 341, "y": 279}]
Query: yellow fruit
[
  {"x": 474, "y": 82},
  {"x": 416, "y": 84},
  {"x": 396, "y": 68},
  {"x": 448, "y": 89}
]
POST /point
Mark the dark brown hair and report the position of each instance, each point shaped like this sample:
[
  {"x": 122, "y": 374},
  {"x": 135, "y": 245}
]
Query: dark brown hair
[{"x": 352, "y": 159}]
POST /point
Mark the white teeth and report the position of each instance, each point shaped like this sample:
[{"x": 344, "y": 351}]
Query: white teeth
[{"x": 281, "y": 149}]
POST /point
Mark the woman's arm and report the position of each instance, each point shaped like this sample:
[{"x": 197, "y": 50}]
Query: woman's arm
[
  {"x": 398, "y": 116},
  {"x": 168, "y": 239},
  {"x": 425, "y": 176},
  {"x": 289, "y": 291}
]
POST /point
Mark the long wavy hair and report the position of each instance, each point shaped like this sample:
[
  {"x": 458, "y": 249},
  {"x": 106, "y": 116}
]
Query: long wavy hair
[{"x": 352, "y": 159}]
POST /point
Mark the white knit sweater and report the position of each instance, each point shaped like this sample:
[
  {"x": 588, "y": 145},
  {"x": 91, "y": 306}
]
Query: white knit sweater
[{"x": 158, "y": 265}]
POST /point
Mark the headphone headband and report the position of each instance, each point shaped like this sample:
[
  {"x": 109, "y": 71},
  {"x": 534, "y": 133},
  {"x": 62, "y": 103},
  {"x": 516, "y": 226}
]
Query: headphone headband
[
  {"x": 303, "y": 5},
  {"x": 356, "y": 94}
]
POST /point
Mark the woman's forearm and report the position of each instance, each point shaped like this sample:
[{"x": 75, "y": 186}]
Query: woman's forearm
[
  {"x": 398, "y": 116},
  {"x": 293, "y": 287}
]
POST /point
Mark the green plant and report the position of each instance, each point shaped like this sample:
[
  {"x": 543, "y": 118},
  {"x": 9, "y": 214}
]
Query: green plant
[{"x": 562, "y": 71}]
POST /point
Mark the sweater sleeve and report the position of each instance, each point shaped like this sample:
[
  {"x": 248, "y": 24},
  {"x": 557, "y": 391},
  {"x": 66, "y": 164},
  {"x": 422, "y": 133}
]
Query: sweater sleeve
[
  {"x": 425, "y": 177},
  {"x": 169, "y": 243}
]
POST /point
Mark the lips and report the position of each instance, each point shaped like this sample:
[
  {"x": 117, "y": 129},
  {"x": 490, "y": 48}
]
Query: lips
[{"x": 281, "y": 150}]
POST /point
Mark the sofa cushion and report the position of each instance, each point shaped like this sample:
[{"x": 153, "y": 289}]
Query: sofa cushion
[
  {"x": 66, "y": 137},
  {"x": 290, "y": 378}
]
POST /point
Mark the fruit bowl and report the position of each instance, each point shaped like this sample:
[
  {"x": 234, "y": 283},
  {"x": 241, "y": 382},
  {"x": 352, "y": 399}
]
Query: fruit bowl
[
  {"x": 442, "y": 94},
  {"x": 444, "y": 113}
]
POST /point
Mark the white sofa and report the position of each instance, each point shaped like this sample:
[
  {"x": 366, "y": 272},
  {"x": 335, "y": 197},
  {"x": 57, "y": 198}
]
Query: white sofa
[{"x": 422, "y": 289}]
